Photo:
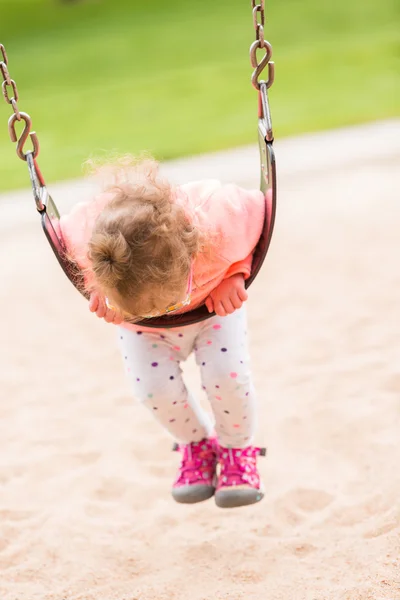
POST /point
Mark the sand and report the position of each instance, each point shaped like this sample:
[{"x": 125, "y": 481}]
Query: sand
[{"x": 85, "y": 510}]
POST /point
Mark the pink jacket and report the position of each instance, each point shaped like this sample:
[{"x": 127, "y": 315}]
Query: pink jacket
[{"x": 232, "y": 215}]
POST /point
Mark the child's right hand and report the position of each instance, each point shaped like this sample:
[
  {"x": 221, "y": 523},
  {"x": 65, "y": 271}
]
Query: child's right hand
[{"x": 97, "y": 305}]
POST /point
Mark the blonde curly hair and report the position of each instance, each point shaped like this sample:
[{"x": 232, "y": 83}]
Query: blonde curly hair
[{"x": 143, "y": 242}]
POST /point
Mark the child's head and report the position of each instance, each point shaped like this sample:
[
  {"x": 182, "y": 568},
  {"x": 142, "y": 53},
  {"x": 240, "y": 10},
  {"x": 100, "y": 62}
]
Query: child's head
[{"x": 143, "y": 243}]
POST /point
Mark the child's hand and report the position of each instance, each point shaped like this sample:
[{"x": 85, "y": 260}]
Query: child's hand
[
  {"x": 228, "y": 296},
  {"x": 98, "y": 305}
]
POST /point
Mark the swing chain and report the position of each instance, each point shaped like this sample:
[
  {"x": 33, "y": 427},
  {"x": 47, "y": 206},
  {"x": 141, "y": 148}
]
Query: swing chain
[
  {"x": 260, "y": 43},
  {"x": 17, "y": 115}
]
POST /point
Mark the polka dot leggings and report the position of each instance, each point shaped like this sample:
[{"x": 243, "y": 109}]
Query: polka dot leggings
[{"x": 152, "y": 361}]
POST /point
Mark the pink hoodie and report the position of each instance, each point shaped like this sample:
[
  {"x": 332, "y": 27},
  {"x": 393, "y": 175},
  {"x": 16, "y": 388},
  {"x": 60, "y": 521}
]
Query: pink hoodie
[{"x": 233, "y": 216}]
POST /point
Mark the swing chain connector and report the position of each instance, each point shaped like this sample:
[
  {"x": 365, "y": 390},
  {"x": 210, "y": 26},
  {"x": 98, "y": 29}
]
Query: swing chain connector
[
  {"x": 17, "y": 115},
  {"x": 24, "y": 135},
  {"x": 260, "y": 43},
  {"x": 40, "y": 193}
]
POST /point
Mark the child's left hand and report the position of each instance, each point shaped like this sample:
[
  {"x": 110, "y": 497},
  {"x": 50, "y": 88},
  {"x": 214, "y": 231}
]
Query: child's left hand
[
  {"x": 98, "y": 305},
  {"x": 228, "y": 296}
]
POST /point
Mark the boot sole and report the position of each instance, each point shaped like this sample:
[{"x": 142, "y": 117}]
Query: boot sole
[
  {"x": 191, "y": 494},
  {"x": 236, "y": 498}
]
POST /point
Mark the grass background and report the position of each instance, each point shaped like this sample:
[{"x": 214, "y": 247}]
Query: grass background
[{"x": 173, "y": 76}]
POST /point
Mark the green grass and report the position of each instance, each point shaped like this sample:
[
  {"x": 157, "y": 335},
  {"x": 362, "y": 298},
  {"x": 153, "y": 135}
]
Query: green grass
[{"x": 173, "y": 76}]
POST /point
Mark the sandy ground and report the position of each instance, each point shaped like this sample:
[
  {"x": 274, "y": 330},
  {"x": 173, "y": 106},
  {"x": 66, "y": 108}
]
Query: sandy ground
[{"x": 85, "y": 511}]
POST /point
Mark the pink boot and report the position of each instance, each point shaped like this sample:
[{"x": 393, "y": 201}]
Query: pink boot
[
  {"x": 239, "y": 481},
  {"x": 196, "y": 478}
]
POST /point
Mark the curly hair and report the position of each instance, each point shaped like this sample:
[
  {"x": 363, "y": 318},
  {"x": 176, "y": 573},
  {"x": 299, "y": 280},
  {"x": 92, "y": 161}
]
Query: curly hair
[{"x": 142, "y": 241}]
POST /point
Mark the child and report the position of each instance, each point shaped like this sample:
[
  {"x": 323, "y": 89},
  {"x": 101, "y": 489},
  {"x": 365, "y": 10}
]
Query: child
[{"x": 148, "y": 249}]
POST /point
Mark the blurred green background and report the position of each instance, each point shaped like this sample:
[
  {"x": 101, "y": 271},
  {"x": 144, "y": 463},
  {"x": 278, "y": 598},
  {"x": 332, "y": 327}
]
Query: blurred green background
[{"x": 173, "y": 76}]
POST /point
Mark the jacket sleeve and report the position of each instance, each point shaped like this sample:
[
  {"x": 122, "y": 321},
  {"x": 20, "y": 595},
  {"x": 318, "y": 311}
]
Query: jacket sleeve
[
  {"x": 238, "y": 216},
  {"x": 76, "y": 230},
  {"x": 242, "y": 266}
]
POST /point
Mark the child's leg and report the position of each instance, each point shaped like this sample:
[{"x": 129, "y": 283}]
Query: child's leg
[
  {"x": 152, "y": 363},
  {"x": 222, "y": 353}
]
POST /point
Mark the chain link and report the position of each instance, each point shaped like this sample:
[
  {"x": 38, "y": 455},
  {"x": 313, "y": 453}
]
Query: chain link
[
  {"x": 3, "y": 54},
  {"x": 258, "y": 9},
  {"x": 5, "y": 93},
  {"x": 11, "y": 96},
  {"x": 260, "y": 43},
  {"x": 5, "y": 73}
]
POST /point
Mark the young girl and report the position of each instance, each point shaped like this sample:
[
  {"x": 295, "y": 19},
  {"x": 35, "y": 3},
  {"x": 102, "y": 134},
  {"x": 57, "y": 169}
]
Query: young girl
[{"x": 148, "y": 249}]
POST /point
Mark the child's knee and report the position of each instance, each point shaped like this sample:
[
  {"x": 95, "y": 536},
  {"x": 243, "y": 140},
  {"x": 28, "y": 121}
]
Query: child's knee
[{"x": 237, "y": 383}]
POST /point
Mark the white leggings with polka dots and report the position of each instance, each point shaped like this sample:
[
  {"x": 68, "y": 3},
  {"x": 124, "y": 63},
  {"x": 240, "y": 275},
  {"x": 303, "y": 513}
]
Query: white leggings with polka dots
[{"x": 152, "y": 362}]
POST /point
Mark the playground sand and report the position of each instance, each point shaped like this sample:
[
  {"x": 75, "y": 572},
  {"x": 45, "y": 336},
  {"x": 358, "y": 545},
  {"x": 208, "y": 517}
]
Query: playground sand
[{"x": 85, "y": 510}]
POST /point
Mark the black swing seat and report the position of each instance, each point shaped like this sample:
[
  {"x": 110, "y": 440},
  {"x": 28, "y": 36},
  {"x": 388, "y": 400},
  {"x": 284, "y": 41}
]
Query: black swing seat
[{"x": 50, "y": 217}]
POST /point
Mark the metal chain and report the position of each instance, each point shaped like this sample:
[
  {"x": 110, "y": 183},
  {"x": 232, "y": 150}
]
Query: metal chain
[
  {"x": 260, "y": 43},
  {"x": 17, "y": 114}
]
